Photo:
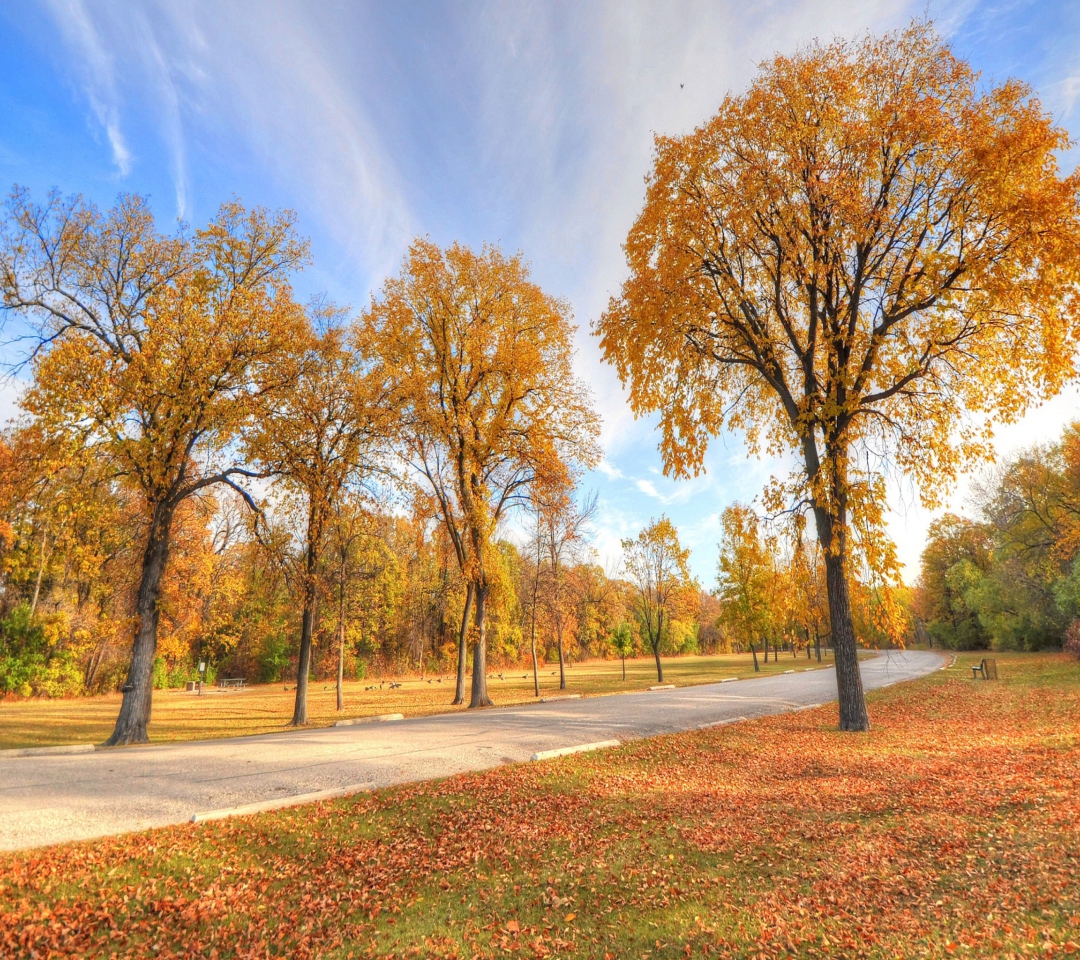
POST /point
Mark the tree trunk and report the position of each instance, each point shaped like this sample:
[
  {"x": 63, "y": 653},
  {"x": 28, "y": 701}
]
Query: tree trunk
[
  {"x": 480, "y": 696},
  {"x": 757, "y": 666},
  {"x": 462, "y": 653},
  {"x": 532, "y": 645},
  {"x": 40, "y": 573},
  {"x": 340, "y": 662},
  {"x": 134, "y": 715},
  {"x": 307, "y": 621},
  {"x": 624, "y": 669},
  {"x": 766, "y": 651},
  {"x": 562, "y": 657},
  {"x": 853, "y": 715},
  {"x": 303, "y": 668},
  {"x": 817, "y": 644},
  {"x": 659, "y": 665}
]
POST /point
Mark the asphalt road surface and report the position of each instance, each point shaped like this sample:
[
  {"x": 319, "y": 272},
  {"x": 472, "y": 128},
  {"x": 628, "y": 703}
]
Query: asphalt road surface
[{"x": 52, "y": 799}]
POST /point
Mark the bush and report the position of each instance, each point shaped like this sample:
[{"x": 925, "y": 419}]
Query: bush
[
  {"x": 1071, "y": 644},
  {"x": 29, "y": 663},
  {"x": 273, "y": 658}
]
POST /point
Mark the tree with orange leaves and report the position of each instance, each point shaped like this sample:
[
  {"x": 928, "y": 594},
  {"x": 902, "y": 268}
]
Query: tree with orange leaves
[
  {"x": 845, "y": 261},
  {"x": 479, "y": 362},
  {"x": 320, "y": 437},
  {"x": 153, "y": 350},
  {"x": 658, "y": 567}
]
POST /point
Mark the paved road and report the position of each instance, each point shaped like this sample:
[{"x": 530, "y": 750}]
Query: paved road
[{"x": 46, "y": 800}]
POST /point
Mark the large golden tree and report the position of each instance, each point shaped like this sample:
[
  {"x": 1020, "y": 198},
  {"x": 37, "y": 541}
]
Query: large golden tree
[
  {"x": 479, "y": 363},
  {"x": 153, "y": 351},
  {"x": 847, "y": 262}
]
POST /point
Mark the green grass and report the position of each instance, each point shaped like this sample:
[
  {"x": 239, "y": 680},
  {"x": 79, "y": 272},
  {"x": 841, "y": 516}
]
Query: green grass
[
  {"x": 178, "y": 715},
  {"x": 951, "y": 829}
]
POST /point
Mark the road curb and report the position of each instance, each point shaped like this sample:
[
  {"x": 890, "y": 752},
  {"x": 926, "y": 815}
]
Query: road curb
[
  {"x": 281, "y": 803},
  {"x": 583, "y": 748},
  {"x": 720, "y": 723},
  {"x": 663, "y": 686},
  {"x": 378, "y": 718},
  {"x": 563, "y": 696},
  {"x": 48, "y": 751}
]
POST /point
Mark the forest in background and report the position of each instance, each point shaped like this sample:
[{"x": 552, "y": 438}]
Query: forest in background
[{"x": 1010, "y": 579}]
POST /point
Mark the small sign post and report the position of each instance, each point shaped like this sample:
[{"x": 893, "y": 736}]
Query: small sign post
[{"x": 202, "y": 670}]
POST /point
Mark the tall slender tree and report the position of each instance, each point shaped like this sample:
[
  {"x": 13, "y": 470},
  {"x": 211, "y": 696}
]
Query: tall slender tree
[
  {"x": 844, "y": 262},
  {"x": 319, "y": 437},
  {"x": 656, "y": 564},
  {"x": 565, "y": 526}
]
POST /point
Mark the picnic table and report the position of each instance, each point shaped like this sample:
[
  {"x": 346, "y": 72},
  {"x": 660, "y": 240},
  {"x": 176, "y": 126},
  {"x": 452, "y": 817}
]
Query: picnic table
[{"x": 238, "y": 682}]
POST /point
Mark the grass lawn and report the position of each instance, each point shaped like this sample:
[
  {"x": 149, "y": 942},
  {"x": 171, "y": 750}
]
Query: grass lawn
[
  {"x": 179, "y": 715},
  {"x": 952, "y": 829}
]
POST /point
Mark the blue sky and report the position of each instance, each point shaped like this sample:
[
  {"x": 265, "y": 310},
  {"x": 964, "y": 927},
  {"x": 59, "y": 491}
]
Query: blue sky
[{"x": 525, "y": 124}]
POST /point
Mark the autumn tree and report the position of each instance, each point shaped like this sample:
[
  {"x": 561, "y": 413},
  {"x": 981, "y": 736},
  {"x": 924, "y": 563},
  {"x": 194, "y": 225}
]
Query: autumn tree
[
  {"x": 362, "y": 572},
  {"x": 179, "y": 335},
  {"x": 656, "y": 564},
  {"x": 319, "y": 437},
  {"x": 744, "y": 578},
  {"x": 479, "y": 361},
  {"x": 846, "y": 261},
  {"x": 564, "y": 529}
]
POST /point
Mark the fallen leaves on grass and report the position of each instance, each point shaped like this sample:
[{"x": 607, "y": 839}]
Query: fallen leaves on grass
[{"x": 951, "y": 829}]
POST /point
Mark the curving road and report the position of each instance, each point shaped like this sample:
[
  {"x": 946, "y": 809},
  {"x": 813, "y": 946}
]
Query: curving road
[{"x": 51, "y": 799}]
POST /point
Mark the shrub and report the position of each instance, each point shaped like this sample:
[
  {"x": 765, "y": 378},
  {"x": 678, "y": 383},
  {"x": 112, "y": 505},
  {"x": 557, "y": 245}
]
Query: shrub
[{"x": 1072, "y": 640}]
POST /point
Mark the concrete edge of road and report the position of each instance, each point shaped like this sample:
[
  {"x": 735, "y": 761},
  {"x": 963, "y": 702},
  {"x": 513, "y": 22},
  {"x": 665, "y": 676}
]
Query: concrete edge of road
[
  {"x": 581, "y": 748},
  {"x": 560, "y": 696},
  {"x": 48, "y": 751},
  {"x": 719, "y": 723},
  {"x": 663, "y": 686},
  {"x": 378, "y": 718},
  {"x": 281, "y": 803}
]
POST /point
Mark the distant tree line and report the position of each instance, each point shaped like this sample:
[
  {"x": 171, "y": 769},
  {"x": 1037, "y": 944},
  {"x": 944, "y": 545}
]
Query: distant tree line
[{"x": 1010, "y": 578}]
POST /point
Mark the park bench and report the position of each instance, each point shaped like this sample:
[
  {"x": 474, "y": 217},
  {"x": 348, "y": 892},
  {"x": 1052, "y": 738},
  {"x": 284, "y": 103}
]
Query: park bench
[
  {"x": 238, "y": 682},
  {"x": 987, "y": 670}
]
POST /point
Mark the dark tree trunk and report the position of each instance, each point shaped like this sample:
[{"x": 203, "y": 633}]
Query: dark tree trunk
[
  {"x": 134, "y": 715},
  {"x": 794, "y": 652},
  {"x": 659, "y": 665},
  {"x": 480, "y": 696},
  {"x": 624, "y": 669},
  {"x": 462, "y": 650},
  {"x": 817, "y": 644},
  {"x": 303, "y": 668},
  {"x": 853, "y": 715},
  {"x": 757, "y": 666},
  {"x": 766, "y": 651}
]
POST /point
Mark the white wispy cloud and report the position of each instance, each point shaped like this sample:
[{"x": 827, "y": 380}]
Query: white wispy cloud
[
  {"x": 276, "y": 88},
  {"x": 648, "y": 488},
  {"x": 94, "y": 64}
]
